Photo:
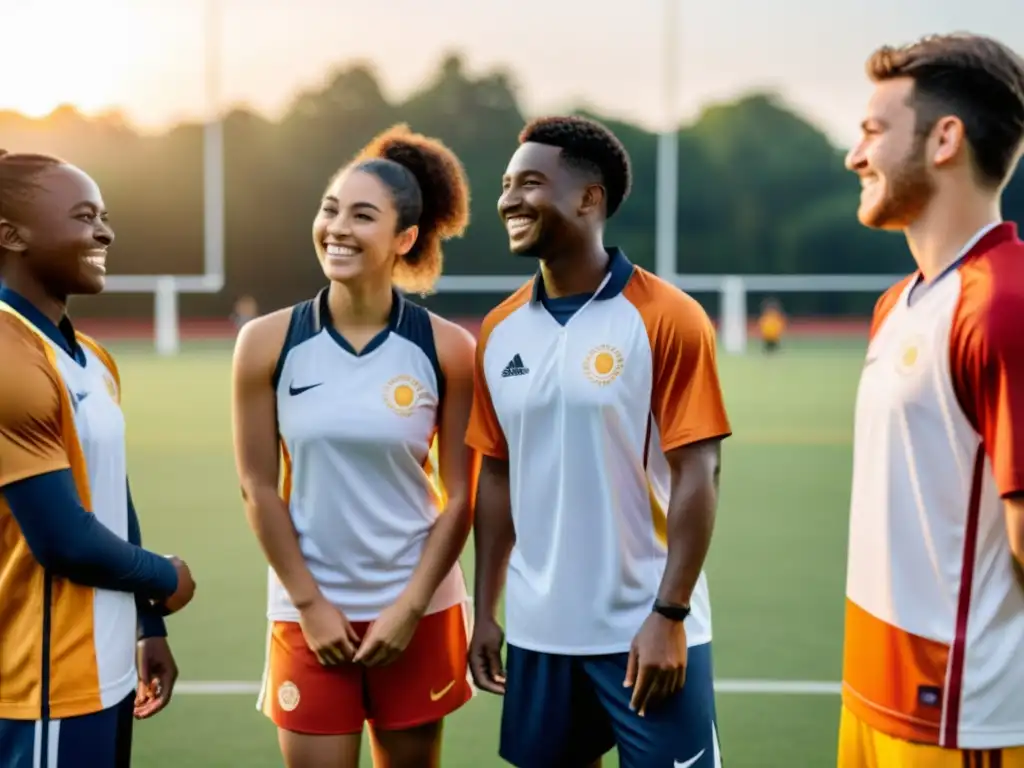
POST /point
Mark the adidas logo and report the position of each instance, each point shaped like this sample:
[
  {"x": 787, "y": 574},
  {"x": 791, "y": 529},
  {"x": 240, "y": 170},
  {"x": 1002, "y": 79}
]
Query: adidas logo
[{"x": 515, "y": 367}]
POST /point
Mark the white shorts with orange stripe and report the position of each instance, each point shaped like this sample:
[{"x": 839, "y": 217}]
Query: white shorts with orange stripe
[{"x": 861, "y": 746}]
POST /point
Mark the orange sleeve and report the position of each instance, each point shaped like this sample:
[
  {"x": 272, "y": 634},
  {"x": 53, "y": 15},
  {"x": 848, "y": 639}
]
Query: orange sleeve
[
  {"x": 484, "y": 432},
  {"x": 987, "y": 365},
  {"x": 31, "y": 439},
  {"x": 686, "y": 395}
]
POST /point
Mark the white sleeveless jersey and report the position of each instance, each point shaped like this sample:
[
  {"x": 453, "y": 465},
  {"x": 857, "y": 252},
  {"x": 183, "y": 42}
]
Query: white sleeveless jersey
[
  {"x": 87, "y": 638},
  {"x": 357, "y": 431}
]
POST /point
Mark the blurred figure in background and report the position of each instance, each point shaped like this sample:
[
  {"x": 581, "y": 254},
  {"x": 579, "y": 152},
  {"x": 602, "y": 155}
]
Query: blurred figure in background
[
  {"x": 246, "y": 309},
  {"x": 771, "y": 324}
]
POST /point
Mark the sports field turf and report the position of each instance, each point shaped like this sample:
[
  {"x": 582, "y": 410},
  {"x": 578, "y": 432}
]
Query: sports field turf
[{"x": 776, "y": 567}]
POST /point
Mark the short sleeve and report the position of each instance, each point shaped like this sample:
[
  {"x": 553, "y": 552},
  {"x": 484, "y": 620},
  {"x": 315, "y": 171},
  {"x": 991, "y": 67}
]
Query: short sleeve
[
  {"x": 686, "y": 395},
  {"x": 31, "y": 440},
  {"x": 484, "y": 433},
  {"x": 987, "y": 361}
]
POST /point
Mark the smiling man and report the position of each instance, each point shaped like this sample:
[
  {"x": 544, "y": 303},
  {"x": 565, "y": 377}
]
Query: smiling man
[
  {"x": 598, "y": 408},
  {"x": 933, "y": 671},
  {"x": 83, "y": 646}
]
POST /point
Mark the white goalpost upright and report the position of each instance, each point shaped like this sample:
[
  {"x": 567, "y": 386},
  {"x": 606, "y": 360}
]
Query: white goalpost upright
[{"x": 166, "y": 288}]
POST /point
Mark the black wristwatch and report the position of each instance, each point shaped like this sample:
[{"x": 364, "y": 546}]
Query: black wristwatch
[{"x": 671, "y": 611}]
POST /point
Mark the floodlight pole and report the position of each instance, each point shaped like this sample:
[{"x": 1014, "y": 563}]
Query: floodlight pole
[
  {"x": 666, "y": 229},
  {"x": 213, "y": 152}
]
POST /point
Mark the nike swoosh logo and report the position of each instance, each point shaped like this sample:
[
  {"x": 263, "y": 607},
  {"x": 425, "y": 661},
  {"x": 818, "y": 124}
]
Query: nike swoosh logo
[
  {"x": 293, "y": 390},
  {"x": 437, "y": 695},
  {"x": 692, "y": 761}
]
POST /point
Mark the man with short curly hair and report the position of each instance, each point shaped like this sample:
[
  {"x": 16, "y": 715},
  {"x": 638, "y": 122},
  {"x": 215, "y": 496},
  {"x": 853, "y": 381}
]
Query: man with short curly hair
[{"x": 598, "y": 410}]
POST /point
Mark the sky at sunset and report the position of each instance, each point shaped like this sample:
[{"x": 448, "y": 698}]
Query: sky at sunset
[{"x": 146, "y": 57}]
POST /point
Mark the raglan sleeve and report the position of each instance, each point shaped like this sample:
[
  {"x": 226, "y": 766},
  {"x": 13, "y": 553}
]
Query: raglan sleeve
[
  {"x": 31, "y": 438},
  {"x": 686, "y": 395},
  {"x": 987, "y": 361},
  {"x": 484, "y": 433}
]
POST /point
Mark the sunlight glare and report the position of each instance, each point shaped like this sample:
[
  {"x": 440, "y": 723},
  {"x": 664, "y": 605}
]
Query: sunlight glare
[{"x": 67, "y": 53}]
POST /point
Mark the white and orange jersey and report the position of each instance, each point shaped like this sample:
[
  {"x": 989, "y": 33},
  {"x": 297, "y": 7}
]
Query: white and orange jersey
[
  {"x": 934, "y": 645},
  {"x": 584, "y": 413},
  {"x": 356, "y": 432},
  {"x": 67, "y": 650}
]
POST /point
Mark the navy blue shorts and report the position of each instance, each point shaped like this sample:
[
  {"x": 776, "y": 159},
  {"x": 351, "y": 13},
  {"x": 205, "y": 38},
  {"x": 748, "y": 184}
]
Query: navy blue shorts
[
  {"x": 567, "y": 711},
  {"x": 99, "y": 740}
]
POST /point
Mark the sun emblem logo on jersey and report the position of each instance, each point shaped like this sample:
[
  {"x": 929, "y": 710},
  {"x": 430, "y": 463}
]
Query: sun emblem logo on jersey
[
  {"x": 111, "y": 387},
  {"x": 403, "y": 393},
  {"x": 603, "y": 364},
  {"x": 288, "y": 696},
  {"x": 910, "y": 354}
]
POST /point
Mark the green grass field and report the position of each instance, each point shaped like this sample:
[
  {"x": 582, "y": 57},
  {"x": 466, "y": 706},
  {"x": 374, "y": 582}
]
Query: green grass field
[{"x": 776, "y": 568}]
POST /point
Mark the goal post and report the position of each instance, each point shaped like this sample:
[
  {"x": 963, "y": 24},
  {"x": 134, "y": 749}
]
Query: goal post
[
  {"x": 733, "y": 316},
  {"x": 734, "y": 310}
]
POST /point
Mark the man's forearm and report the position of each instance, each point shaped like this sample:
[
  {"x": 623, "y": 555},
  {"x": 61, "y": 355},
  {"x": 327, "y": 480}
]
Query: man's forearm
[
  {"x": 151, "y": 623},
  {"x": 689, "y": 538},
  {"x": 493, "y": 536},
  {"x": 72, "y": 543},
  {"x": 691, "y": 522}
]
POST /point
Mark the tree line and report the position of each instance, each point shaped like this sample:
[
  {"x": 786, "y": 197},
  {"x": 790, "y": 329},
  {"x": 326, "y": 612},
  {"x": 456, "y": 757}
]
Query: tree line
[{"x": 761, "y": 190}]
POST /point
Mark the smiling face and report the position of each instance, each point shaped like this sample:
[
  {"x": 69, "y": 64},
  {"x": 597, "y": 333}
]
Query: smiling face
[
  {"x": 891, "y": 159},
  {"x": 355, "y": 231},
  {"x": 59, "y": 232},
  {"x": 542, "y": 201}
]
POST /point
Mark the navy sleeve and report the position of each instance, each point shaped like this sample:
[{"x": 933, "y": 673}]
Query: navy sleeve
[
  {"x": 151, "y": 622},
  {"x": 70, "y": 542}
]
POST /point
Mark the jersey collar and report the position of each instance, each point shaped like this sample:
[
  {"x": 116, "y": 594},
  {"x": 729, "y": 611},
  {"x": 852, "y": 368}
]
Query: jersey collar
[
  {"x": 985, "y": 239},
  {"x": 322, "y": 321},
  {"x": 620, "y": 269},
  {"x": 62, "y": 334}
]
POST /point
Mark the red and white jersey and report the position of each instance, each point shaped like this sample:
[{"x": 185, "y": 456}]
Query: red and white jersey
[{"x": 934, "y": 646}]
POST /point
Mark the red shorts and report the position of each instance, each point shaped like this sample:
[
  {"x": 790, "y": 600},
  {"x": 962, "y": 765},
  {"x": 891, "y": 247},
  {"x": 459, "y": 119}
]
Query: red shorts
[{"x": 426, "y": 683}]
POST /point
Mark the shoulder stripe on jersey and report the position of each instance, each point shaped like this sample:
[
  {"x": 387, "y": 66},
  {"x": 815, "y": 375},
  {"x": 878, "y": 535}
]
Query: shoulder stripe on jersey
[
  {"x": 63, "y": 334},
  {"x": 414, "y": 325},
  {"x": 303, "y": 325}
]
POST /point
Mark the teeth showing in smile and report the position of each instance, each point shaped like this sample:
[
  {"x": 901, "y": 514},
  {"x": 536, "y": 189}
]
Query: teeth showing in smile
[
  {"x": 341, "y": 250},
  {"x": 517, "y": 224},
  {"x": 97, "y": 261}
]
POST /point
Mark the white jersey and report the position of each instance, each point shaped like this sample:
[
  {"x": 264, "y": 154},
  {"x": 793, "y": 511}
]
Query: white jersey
[
  {"x": 85, "y": 637},
  {"x": 934, "y": 648},
  {"x": 356, "y": 431},
  {"x": 584, "y": 414}
]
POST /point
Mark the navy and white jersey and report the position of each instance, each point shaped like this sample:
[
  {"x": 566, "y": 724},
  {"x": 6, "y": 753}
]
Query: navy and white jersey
[{"x": 356, "y": 433}]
